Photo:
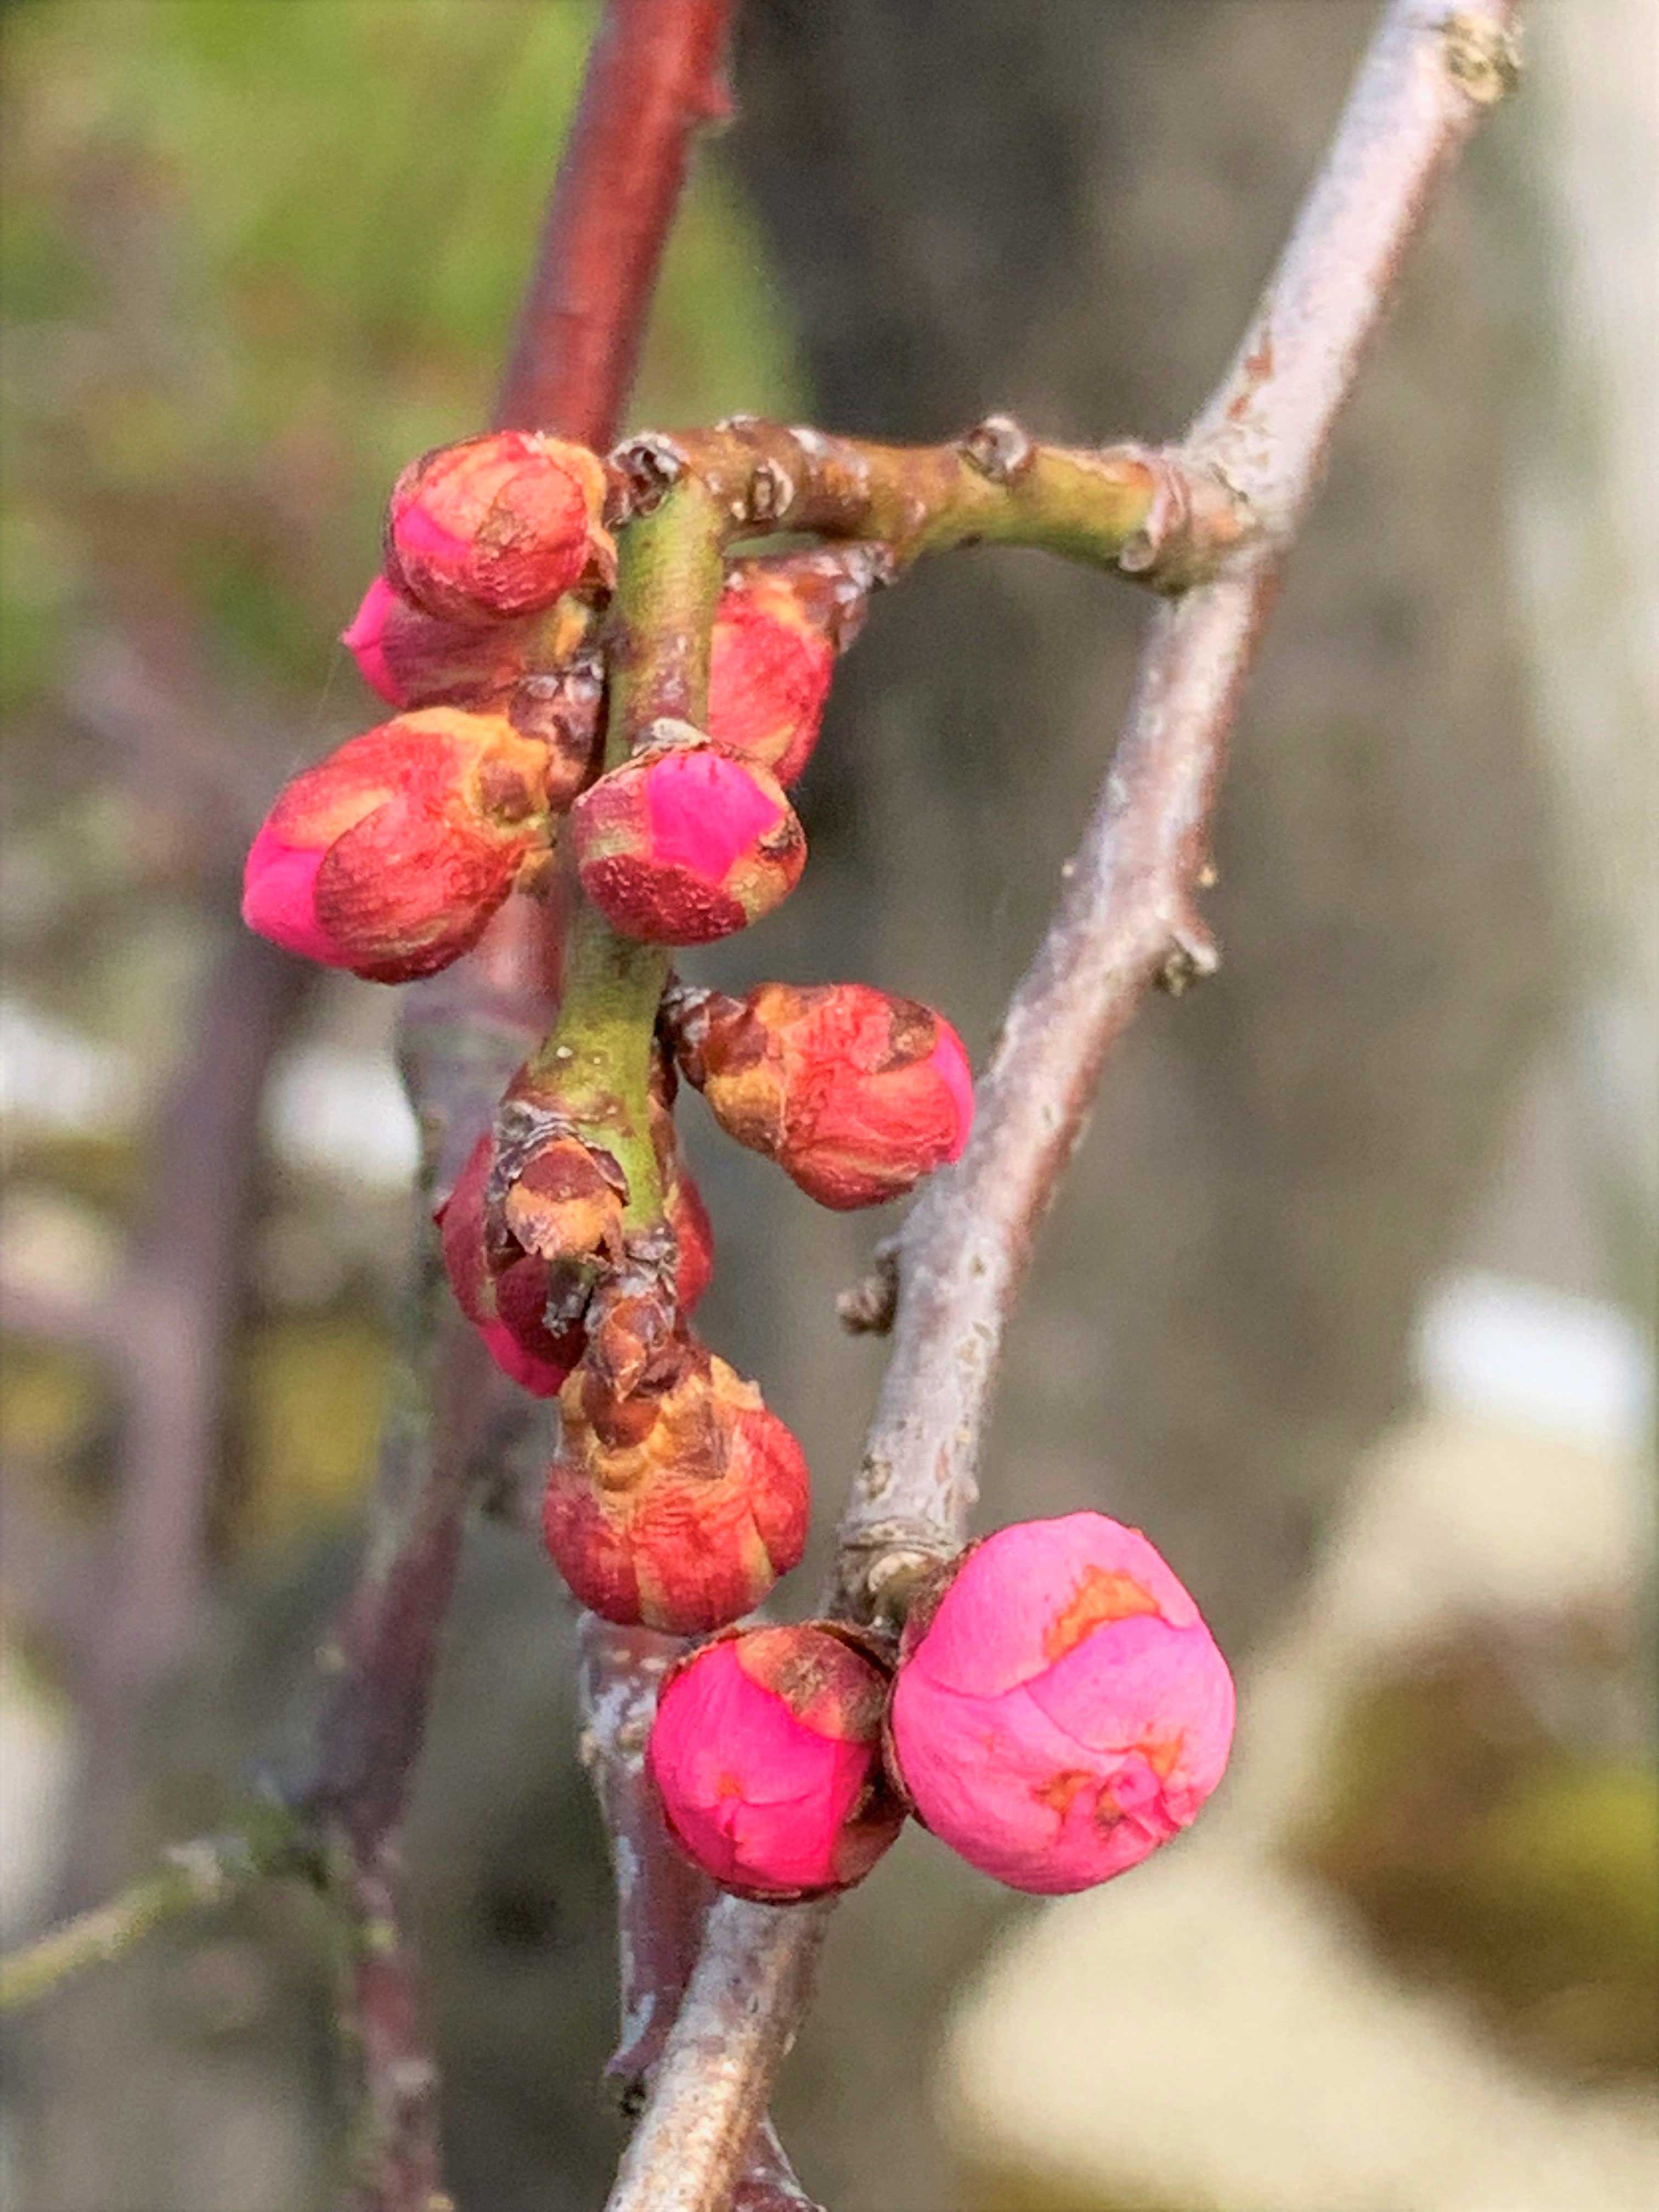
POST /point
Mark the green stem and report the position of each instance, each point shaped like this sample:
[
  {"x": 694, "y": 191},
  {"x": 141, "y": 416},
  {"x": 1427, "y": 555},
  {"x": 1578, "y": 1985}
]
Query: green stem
[
  {"x": 208, "y": 1872},
  {"x": 1152, "y": 514},
  {"x": 670, "y": 573},
  {"x": 596, "y": 1061}
]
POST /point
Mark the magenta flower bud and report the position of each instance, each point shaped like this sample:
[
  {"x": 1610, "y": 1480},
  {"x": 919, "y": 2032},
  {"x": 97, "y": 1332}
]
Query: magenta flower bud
[
  {"x": 685, "y": 842},
  {"x": 413, "y": 659},
  {"x": 1060, "y": 1710},
  {"x": 766, "y": 1753}
]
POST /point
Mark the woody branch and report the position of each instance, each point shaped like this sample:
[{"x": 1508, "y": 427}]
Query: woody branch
[{"x": 1127, "y": 918}]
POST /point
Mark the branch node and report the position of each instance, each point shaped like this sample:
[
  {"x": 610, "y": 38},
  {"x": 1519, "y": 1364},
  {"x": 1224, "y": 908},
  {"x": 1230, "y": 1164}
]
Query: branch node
[
  {"x": 998, "y": 448},
  {"x": 1483, "y": 57},
  {"x": 649, "y": 466},
  {"x": 1192, "y": 958},
  {"x": 771, "y": 492},
  {"x": 1195, "y": 516},
  {"x": 868, "y": 1307}
]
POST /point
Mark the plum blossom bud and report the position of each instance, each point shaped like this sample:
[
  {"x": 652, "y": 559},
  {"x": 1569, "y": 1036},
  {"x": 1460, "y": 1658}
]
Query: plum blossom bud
[
  {"x": 685, "y": 842},
  {"x": 769, "y": 668},
  {"x": 499, "y": 524},
  {"x": 390, "y": 856},
  {"x": 413, "y": 659},
  {"x": 678, "y": 1506},
  {"x": 505, "y": 1293},
  {"x": 766, "y": 1753},
  {"x": 856, "y": 1095},
  {"x": 1060, "y": 1710}
]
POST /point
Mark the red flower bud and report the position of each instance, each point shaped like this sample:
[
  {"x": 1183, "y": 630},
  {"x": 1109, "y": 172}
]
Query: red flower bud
[
  {"x": 766, "y": 1753},
  {"x": 413, "y": 659},
  {"x": 503, "y": 1294},
  {"x": 1061, "y": 1709},
  {"x": 499, "y": 524},
  {"x": 854, "y": 1094},
  {"x": 771, "y": 660},
  {"x": 685, "y": 842},
  {"x": 390, "y": 856},
  {"x": 676, "y": 1508}
]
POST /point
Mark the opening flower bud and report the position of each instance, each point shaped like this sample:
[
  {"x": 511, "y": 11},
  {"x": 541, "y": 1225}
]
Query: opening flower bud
[
  {"x": 1060, "y": 1710},
  {"x": 498, "y": 525},
  {"x": 771, "y": 660},
  {"x": 766, "y": 1753},
  {"x": 856, "y": 1095},
  {"x": 685, "y": 842},
  {"x": 505, "y": 1293},
  {"x": 678, "y": 1507},
  {"x": 389, "y": 857},
  {"x": 413, "y": 659}
]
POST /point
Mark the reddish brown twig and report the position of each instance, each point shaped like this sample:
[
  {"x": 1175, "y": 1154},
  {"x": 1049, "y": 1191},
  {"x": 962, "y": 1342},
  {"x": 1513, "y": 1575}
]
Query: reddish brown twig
[
  {"x": 1125, "y": 918},
  {"x": 655, "y": 77},
  {"x": 652, "y": 79}
]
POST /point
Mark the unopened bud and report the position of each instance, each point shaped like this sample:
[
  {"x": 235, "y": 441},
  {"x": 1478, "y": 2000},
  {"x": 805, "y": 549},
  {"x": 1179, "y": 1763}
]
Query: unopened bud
[
  {"x": 772, "y": 656},
  {"x": 1060, "y": 1708},
  {"x": 505, "y": 1293},
  {"x": 856, "y": 1095},
  {"x": 389, "y": 857},
  {"x": 499, "y": 524},
  {"x": 685, "y": 842},
  {"x": 413, "y": 659},
  {"x": 766, "y": 1753},
  {"x": 677, "y": 1509}
]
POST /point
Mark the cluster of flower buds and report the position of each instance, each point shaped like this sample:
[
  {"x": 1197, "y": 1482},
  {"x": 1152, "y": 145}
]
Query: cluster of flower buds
[
  {"x": 389, "y": 857},
  {"x": 1059, "y": 1711},
  {"x": 1056, "y": 1708}
]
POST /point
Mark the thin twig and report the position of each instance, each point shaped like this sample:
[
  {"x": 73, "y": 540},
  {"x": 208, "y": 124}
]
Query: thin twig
[
  {"x": 655, "y": 77},
  {"x": 191, "y": 1877},
  {"x": 651, "y": 79},
  {"x": 1125, "y": 919}
]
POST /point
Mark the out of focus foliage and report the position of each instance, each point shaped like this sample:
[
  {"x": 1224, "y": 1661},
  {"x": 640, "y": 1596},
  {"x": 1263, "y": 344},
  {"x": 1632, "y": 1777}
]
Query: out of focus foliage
[
  {"x": 1490, "y": 1815},
  {"x": 238, "y": 305},
  {"x": 255, "y": 254}
]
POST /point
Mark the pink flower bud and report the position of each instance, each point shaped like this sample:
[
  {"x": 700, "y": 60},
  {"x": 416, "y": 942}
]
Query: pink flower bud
[
  {"x": 499, "y": 524},
  {"x": 854, "y": 1094},
  {"x": 390, "y": 856},
  {"x": 1062, "y": 1709},
  {"x": 772, "y": 658},
  {"x": 685, "y": 842},
  {"x": 506, "y": 1302},
  {"x": 678, "y": 1506},
  {"x": 413, "y": 659},
  {"x": 766, "y": 1753}
]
